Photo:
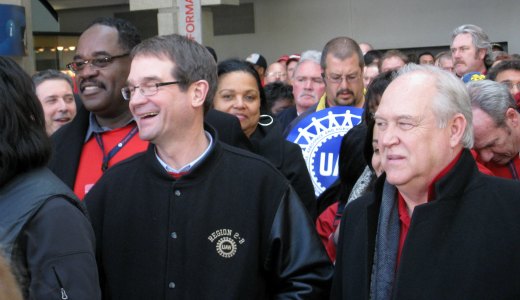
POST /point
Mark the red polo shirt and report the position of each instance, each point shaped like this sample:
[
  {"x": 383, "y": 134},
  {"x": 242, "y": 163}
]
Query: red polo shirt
[
  {"x": 506, "y": 171},
  {"x": 89, "y": 169}
]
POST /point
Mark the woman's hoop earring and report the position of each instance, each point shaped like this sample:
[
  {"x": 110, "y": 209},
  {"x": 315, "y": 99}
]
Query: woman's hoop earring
[{"x": 271, "y": 120}]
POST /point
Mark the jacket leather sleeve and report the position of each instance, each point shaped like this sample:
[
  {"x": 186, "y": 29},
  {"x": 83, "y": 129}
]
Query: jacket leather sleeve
[
  {"x": 295, "y": 169},
  {"x": 296, "y": 260},
  {"x": 58, "y": 248}
]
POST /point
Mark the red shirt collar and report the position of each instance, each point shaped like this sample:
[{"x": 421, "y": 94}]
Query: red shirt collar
[{"x": 431, "y": 190}]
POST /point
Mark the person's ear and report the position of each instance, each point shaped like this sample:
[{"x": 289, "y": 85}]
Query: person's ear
[
  {"x": 457, "y": 127},
  {"x": 512, "y": 117},
  {"x": 199, "y": 90}
]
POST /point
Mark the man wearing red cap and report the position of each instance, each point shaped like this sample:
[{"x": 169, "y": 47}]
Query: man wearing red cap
[{"x": 291, "y": 63}]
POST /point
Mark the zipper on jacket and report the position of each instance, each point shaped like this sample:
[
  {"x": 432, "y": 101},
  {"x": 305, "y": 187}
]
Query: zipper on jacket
[{"x": 63, "y": 292}]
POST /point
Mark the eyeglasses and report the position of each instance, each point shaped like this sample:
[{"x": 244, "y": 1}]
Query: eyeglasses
[
  {"x": 98, "y": 63},
  {"x": 149, "y": 89},
  {"x": 510, "y": 85},
  {"x": 337, "y": 79}
]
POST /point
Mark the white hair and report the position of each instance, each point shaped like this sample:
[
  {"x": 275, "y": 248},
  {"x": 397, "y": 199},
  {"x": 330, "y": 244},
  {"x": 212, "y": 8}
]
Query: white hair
[{"x": 452, "y": 98}]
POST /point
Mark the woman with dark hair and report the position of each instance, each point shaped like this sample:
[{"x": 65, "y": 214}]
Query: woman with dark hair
[
  {"x": 240, "y": 93},
  {"x": 44, "y": 232}
]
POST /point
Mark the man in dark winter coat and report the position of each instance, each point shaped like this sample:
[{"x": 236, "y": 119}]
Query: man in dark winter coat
[
  {"x": 435, "y": 227},
  {"x": 193, "y": 218}
]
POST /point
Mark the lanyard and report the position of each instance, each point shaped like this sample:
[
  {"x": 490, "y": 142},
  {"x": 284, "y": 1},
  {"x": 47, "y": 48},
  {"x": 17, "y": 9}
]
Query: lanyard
[
  {"x": 113, "y": 152},
  {"x": 511, "y": 166}
]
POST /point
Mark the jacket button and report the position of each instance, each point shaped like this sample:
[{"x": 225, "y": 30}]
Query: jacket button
[
  {"x": 171, "y": 285},
  {"x": 177, "y": 193},
  {"x": 173, "y": 235}
]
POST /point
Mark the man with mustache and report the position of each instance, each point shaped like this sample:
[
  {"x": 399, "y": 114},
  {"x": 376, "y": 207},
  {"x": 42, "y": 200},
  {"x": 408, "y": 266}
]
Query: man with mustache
[
  {"x": 496, "y": 126},
  {"x": 470, "y": 49},
  {"x": 308, "y": 86},
  {"x": 104, "y": 122},
  {"x": 342, "y": 63}
]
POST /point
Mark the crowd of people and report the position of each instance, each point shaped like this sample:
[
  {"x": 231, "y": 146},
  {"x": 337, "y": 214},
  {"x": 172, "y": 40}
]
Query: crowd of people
[{"x": 168, "y": 176}]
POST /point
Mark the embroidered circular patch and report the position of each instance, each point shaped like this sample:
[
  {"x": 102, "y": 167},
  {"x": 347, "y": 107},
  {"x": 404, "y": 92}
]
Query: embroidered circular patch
[{"x": 226, "y": 247}]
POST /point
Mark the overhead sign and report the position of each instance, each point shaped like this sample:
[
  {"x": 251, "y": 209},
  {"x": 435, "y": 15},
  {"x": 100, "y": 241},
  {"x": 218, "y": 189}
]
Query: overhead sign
[
  {"x": 190, "y": 24},
  {"x": 12, "y": 30},
  {"x": 319, "y": 135}
]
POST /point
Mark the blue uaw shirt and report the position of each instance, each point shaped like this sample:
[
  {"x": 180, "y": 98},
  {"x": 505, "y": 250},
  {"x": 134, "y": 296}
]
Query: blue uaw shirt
[{"x": 319, "y": 135}]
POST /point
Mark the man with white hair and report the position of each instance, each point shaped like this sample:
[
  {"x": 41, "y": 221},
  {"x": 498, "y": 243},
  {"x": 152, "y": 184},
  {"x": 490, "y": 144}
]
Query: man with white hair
[
  {"x": 496, "y": 126},
  {"x": 470, "y": 49},
  {"x": 308, "y": 86},
  {"x": 434, "y": 227}
]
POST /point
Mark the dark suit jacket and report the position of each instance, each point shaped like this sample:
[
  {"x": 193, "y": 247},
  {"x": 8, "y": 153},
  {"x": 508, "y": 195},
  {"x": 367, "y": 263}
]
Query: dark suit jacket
[{"x": 463, "y": 244}]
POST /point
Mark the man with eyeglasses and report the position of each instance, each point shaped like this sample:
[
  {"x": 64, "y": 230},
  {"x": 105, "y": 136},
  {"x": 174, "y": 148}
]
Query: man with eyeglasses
[
  {"x": 342, "y": 63},
  {"x": 192, "y": 218},
  {"x": 276, "y": 72},
  {"x": 496, "y": 126},
  {"x": 507, "y": 72},
  {"x": 104, "y": 131}
]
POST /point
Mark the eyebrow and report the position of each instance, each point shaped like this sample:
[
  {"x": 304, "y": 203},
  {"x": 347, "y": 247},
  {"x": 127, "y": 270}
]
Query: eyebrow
[
  {"x": 56, "y": 95},
  {"x": 490, "y": 143},
  {"x": 146, "y": 79},
  {"x": 97, "y": 53},
  {"x": 407, "y": 117}
]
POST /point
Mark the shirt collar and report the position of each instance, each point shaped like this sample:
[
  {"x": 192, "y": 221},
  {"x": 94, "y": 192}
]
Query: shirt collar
[
  {"x": 189, "y": 166},
  {"x": 94, "y": 127}
]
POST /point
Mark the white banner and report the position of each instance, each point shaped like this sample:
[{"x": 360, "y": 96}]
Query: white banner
[{"x": 190, "y": 23}]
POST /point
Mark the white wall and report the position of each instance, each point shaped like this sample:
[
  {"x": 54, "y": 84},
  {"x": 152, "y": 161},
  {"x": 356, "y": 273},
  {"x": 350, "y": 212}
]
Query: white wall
[{"x": 288, "y": 26}]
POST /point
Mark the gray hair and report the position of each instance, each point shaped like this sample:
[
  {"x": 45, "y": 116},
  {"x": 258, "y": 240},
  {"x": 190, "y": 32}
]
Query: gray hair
[
  {"x": 51, "y": 74},
  {"x": 452, "y": 98},
  {"x": 442, "y": 55},
  {"x": 491, "y": 97},
  {"x": 479, "y": 37},
  {"x": 309, "y": 55}
]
